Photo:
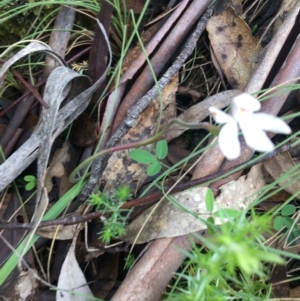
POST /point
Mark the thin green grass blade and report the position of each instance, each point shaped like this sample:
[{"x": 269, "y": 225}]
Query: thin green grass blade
[{"x": 60, "y": 205}]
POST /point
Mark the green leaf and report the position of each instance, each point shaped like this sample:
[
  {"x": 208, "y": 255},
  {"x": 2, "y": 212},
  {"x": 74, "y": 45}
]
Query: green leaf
[
  {"x": 210, "y": 229},
  {"x": 29, "y": 186},
  {"x": 278, "y": 223},
  {"x": 154, "y": 168},
  {"x": 142, "y": 156},
  {"x": 161, "y": 149},
  {"x": 29, "y": 178},
  {"x": 227, "y": 213},
  {"x": 288, "y": 210},
  {"x": 291, "y": 239},
  {"x": 287, "y": 221},
  {"x": 209, "y": 200},
  {"x": 294, "y": 235}
]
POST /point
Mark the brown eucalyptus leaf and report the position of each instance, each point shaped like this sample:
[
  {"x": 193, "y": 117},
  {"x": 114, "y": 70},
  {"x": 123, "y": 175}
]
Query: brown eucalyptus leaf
[
  {"x": 239, "y": 194},
  {"x": 121, "y": 169},
  {"x": 234, "y": 47},
  {"x": 57, "y": 168},
  {"x": 278, "y": 166},
  {"x": 199, "y": 112},
  {"x": 61, "y": 232},
  {"x": 220, "y": 6},
  {"x": 167, "y": 220}
]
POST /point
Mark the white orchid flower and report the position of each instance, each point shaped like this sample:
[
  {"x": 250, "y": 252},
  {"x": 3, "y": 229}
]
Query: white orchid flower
[{"x": 253, "y": 126}]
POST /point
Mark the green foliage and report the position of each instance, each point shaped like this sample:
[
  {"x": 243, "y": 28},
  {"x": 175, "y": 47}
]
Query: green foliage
[
  {"x": 129, "y": 261},
  {"x": 226, "y": 214},
  {"x": 31, "y": 182},
  {"x": 114, "y": 224},
  {"x": 286, "y": 223},
  {"x": 17, "y": 27},
  {"x": 145, "y": 157},
  {"x": 161, "y": 149},
  {"x": 142, "y": 156},
  {"x": 230, "y": 265},
  {"x": 123, "y": 194},
  {"x": 254, "y": 28},
  {"x": 209, "y": 201}
]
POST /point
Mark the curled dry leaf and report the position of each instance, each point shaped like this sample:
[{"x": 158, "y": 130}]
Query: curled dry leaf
[
  {"x": 234, "y": 47},
  {"x": 167, "y": 220}
]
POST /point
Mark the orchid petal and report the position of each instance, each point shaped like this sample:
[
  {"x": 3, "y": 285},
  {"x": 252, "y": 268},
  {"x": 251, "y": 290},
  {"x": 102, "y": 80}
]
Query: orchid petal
[
  {"x": 271, "y": 123},
  {"x": 244, "y": 103},
  {"x": 255, "y": 137},
  {"x": 229, "y": 141},
  {"x": 220, "y": 116}
]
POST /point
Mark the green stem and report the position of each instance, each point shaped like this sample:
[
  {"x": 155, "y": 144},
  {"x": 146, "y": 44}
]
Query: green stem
[{"x": 157, "y": 137}]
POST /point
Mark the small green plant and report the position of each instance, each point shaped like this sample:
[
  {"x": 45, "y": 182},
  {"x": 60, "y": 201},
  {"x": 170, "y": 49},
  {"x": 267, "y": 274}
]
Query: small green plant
[
  {"x": 114, "y": 224},
  {"x": 285, "y": 222},
  {"x": 227, "y": 214},
  {"x": 129, "y": 261},
  {"x": 30, "y": 182},
  {"x": 153, "y": 162},
  {"x": 230, "y": 265}
]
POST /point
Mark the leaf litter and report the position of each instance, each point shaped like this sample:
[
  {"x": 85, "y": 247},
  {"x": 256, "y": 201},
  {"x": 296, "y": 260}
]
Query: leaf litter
[{"x": 237, "y": 55}]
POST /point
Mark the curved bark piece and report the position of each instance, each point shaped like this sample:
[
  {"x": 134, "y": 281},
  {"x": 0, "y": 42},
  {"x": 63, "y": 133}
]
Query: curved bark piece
[
  {"x": 60, "y": 35},
  {"x": 149, "y": 277},
  {"x": 160, "y": 58}
]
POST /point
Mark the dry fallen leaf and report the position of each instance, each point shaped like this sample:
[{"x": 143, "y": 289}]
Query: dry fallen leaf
[
  {"x": 169, "y": 221},
  {"x": 199, "y": 111},
  {"x": 222, "y": 5},
  {"x": 239, "y": 194},
  {"x": 57, "y": 166},
  {"x": 61, "y": 232},
  {"x": 234, "y": 47},
  {"x": 71, "y": 278}
]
